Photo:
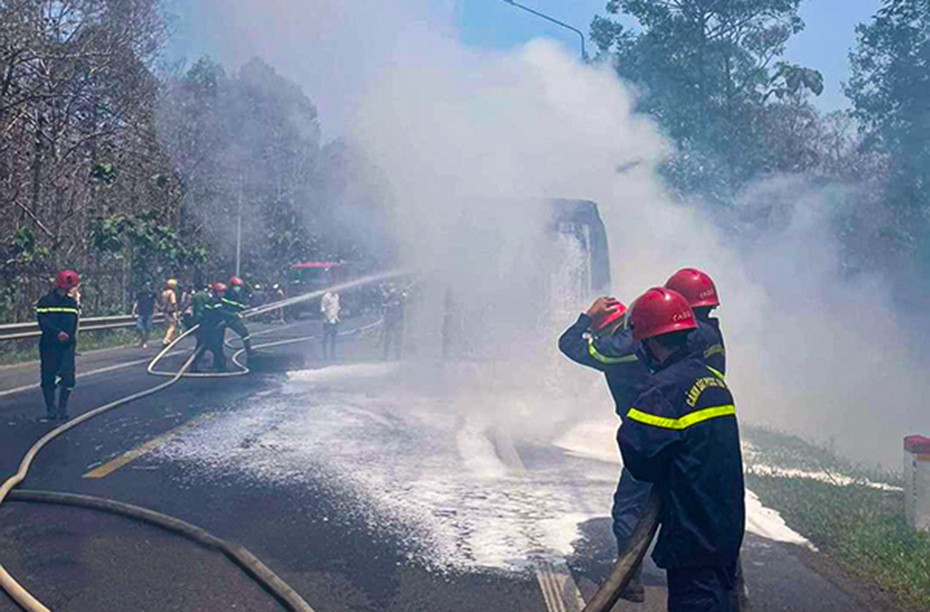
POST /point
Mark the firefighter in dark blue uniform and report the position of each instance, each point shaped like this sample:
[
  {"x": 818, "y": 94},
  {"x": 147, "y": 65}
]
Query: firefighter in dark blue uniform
[
  {"x": 236, "y": 302},
  {"x": 699, "y": 289},
  {"x": 682, "y": 435},
  {"x": 212, "y": 331},
  {"x": 600, "y": 340},
  {"x": 57, "y": 314}
]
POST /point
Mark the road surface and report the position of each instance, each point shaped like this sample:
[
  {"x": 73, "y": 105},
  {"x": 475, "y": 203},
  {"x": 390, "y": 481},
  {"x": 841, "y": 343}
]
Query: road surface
[{"x": 360, "y": 484}]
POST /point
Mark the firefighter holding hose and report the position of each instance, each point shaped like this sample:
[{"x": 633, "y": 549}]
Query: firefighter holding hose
[
  {"x": 600, "y": 340},
  {"x": 235, "y": 301},
  {"x": 682, "y": 436},
  {"x": 212, "y": 331},
  {"x": 57, "y": 314}
]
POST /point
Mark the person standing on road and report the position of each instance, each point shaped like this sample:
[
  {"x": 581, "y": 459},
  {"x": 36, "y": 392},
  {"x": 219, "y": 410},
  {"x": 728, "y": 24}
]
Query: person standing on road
[
  {"x": 392, "y": 336},
  {"x": 329, "y": 307},
  {"x": 169, "y": 307},
  {"x": 600, "y": 340},
  {"x": 279, "y": 295},
  {"x": 236, "y": 301},
  {"x": 212, "y": 332},
  {"x": 144, "y": 310},
  {"x": 57, "y": 314},
  {"x": 682, "y": 436}
]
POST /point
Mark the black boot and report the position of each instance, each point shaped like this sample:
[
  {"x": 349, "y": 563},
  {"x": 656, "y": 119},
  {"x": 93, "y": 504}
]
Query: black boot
[
  {"x": 49, "y": 396},
  {"x": 63, "y": 397}
]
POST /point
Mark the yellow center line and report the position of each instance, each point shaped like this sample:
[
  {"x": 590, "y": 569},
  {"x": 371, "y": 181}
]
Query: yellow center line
[{"x": 102, "y": 471}]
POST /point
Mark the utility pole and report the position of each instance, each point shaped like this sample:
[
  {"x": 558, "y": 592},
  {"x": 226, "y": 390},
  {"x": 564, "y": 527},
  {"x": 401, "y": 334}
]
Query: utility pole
[
  {"x": 584, "y": 52},
  {"x": 239, "y": 230}
]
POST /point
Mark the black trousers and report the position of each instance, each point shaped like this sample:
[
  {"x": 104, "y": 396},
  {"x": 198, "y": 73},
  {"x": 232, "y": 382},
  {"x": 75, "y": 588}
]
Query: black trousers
[
  {"x": 702, "y": 589},
  {"x": 238, "y": 326},
  {"x": 57, "y": 365},
  {"x": 330, "y": 333},
  {"x": 212, "y": 341}
]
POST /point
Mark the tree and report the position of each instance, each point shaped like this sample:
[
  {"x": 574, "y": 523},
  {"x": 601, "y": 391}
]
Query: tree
[
  {"x": 709, "y": 72},
  {"x": 890, "y": 90}
]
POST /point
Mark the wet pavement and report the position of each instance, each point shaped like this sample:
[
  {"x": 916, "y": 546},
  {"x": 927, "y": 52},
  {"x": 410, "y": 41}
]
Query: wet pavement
[{"x": 320, "y": 514}]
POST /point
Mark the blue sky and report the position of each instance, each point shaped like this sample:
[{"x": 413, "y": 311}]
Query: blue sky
[{"x": 824, "y": 44}]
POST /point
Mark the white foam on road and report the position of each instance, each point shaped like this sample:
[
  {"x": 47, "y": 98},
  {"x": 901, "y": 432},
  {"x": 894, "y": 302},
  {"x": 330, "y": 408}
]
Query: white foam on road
[
  {"x": 589, "y": 439},
  {"x": 422, "y": 467}
]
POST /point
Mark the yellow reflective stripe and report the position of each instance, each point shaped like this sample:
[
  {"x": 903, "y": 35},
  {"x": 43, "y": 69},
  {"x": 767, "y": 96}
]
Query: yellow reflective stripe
[
  {"x": 716, "y": 373},
  {"x": 49, "y": 309},
  {"x": 608, "y": 360},
  {"x": 698, "y": 416}
]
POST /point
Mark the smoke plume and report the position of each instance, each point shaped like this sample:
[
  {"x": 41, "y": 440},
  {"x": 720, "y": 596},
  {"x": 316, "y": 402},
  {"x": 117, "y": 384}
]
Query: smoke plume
[{"x": 466, "y": 136}]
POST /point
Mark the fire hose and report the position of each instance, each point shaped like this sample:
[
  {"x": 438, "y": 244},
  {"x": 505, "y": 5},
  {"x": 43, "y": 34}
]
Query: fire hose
[
  {"x": 264, "y": 577},
  {"x": 609, "y": 592}
]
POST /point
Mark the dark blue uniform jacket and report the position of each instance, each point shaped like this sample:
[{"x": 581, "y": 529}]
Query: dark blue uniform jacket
[
  {"x": 56, "y": 313},
  {"x": 707, "y": 341},
  {"x": 613, "y": 355},
  {"x": 682, "y": 436},
  {"x": 235, "y": 302}
]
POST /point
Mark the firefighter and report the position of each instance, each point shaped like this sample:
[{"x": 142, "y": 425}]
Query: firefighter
[
  {"x": 169, "y": 306},
  {"x": 600, "y": 340},
  {"x": 57, "y": 314},
  {"x": 682, "y": 436},
  {"x": 212, "y": 331},
  {"x": 235, "y": 302},
  {"x": 699, "y": 289}
]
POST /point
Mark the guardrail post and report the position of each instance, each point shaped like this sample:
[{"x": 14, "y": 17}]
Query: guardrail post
[{"x": 917, "y": 482}]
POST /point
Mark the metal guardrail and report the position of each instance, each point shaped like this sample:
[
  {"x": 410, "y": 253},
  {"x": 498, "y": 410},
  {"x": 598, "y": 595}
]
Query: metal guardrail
[{"x": 24, "y": 331}]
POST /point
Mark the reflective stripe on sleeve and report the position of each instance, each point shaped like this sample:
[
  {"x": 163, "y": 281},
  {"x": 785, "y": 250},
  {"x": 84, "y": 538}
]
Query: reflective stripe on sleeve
[
  {"x": 716, "y": 373},
  {"x": 684, "y": 422},
  {"x": 592, "y": 350},
  {"x": 56, "y": 309}
]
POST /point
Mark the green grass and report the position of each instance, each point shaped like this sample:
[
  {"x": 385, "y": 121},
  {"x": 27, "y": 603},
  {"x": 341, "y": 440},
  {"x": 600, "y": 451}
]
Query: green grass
[
  {"x": 787, "y": 451},
  {"x": 861, "y": 527},
  {"x": 23, "y": 351}
]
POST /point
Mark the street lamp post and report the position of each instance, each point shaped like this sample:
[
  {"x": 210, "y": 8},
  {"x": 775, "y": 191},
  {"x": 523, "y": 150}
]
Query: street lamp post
[
  {"x": 584, "y": 52},
  {"x": 239, "y": 230}
]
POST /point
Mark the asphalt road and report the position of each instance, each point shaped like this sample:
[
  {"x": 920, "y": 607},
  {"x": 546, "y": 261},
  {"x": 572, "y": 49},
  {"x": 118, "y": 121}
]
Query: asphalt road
[{"x": 304, "y": 528}]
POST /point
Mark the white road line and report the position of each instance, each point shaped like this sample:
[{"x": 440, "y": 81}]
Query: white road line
[
  {"x": 559, "y": 590},
  {"x": 112, "y": 368}
]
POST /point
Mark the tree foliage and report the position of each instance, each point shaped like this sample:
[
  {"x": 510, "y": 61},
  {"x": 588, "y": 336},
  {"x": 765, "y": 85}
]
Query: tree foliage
[
  {"x": 890, "y": 91},
  {"x": 710, "y": 73}
]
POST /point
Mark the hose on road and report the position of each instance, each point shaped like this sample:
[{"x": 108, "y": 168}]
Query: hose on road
[
  {"x": 241, "y": 557},
  {"x": 609, "y": 592},
  {"x": 9, "y": 584}
]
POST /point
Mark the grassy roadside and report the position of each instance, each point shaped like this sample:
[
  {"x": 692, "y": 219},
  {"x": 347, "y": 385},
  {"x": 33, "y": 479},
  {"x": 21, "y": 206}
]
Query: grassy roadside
[
  {"x": 858, "y": 524},
  {"x": 24, "y": 351}
]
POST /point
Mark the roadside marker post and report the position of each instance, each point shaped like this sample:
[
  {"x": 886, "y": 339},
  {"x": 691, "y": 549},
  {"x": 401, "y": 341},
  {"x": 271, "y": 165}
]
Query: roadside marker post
[{"x": 917, "y": 482}]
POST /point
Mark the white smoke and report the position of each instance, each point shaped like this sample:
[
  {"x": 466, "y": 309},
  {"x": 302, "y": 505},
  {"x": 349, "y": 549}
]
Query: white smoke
[{"x": 458, "y": 131}]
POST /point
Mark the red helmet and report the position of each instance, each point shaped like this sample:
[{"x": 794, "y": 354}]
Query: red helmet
[
  {"x": 218, "y": 288},
  {"x": 696, "y": 286},
  {"x": 67, "y": 279},
  {"x": 610, "y": 317},
  {"x": 235, "y": 281},
  {"x": 660, "y": 311}
]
